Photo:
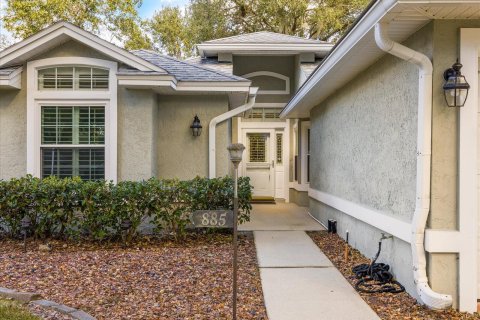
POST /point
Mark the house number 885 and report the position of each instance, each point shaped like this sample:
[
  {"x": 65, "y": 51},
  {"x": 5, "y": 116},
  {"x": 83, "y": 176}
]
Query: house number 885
[{"x": 214, "y": 219}]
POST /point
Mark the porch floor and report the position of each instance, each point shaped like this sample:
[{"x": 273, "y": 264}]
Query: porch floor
[{"x": 280, "y": 217}]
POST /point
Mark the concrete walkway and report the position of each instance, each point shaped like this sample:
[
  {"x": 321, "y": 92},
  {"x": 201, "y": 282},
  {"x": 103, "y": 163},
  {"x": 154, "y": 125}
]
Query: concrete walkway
[{"x": 298, "y": 280}]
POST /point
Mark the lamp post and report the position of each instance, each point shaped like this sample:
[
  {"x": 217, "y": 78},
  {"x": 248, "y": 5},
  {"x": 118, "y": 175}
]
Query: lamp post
[
  {"x": 236, "y": 151},
  {"x": 25, "y": 223}
]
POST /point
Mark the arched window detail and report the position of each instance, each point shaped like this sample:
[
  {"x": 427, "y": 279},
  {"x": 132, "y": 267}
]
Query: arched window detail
[
  {"x": 284, "y": 80},
  {"x": 73, "y": 78}
]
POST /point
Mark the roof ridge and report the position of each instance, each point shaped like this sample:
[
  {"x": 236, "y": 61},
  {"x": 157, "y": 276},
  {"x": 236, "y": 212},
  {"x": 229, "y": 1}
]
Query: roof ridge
[
  {"x": 264, "y": 31},
  {"x": 231, "y": 76}
]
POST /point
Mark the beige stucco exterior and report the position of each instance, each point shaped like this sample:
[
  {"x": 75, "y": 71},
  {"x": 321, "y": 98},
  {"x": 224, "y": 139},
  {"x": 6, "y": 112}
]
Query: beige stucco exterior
[{"x": 154, "y": 138}]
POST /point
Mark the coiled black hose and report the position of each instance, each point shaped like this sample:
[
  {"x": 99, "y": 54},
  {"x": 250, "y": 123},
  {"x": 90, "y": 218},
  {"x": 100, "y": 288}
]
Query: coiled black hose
[{"x": 376, "y": 277}]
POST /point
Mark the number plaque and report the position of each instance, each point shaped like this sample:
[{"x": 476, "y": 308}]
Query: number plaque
[{"x": 213, "y": 218}]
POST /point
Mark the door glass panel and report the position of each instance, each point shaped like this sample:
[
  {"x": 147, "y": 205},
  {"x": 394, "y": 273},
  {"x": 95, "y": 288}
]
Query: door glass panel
[
  {"x": 258, "y": 147},
  {"x": 279, "y": 150}
]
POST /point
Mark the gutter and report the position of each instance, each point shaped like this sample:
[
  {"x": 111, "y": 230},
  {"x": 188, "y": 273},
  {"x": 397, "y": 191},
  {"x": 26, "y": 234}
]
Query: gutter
[
  {"x": 430, "y": 298},
  {"x": 213, "y": 126}
]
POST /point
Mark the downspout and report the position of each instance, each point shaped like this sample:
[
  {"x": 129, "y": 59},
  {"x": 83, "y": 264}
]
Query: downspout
[
  {"x": 430, "y": 298},
  {"x": 218, "y": 119}
]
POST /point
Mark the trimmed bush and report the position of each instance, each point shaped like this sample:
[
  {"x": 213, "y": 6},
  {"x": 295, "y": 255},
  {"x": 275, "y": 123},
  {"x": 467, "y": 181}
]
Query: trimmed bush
[{"x": 99, "y": 210}]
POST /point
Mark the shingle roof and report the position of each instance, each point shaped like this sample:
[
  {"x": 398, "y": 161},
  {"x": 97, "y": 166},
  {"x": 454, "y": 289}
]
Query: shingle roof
[
  {"x": 185, "y": 71},
  {"x": 264, "y": 37},
  {"x": 212, "y": 63},
  {"x": 8, "y": 70}
]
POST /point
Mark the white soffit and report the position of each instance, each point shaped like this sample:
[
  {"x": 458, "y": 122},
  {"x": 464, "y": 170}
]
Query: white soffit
[{"x": 358, "y": 50}]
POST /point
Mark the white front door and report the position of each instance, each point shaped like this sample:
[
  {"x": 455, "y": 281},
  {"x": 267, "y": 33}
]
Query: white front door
[{"x": 259, "y": 165}]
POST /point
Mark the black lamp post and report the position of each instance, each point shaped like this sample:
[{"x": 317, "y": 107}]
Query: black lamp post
[
  {"x": 25, "y": 223},
  {"x": 456, "y": 86},
  {"x": 235, "y": 151},
  {"x": 196, "y": 127},
  {"x": 126, "y": 225}
]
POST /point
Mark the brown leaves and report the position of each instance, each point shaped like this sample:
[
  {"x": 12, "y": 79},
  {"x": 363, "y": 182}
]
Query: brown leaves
[
  {"x": 386, "y": 305},
  {"x": 150, "y": 280}
]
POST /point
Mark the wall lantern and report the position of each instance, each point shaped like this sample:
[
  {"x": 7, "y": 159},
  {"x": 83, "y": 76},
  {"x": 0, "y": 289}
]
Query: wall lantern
[
  {"x": 196, "y": 127},
  {"x": 456, "y": 86}
]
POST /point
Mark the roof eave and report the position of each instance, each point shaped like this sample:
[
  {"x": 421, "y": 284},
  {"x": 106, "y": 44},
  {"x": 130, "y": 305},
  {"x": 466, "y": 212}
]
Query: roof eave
[{"x": 259, "y": 47}]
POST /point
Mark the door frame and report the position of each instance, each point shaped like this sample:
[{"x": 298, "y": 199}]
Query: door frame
[
  {"x": 270, "y": 152},
  {"x": 270, "y": 125},
  {"x": 468, "y": 158}
]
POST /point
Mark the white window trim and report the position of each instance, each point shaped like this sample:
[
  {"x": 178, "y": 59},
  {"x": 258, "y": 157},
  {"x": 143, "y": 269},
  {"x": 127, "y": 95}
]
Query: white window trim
[
  {"x": 305, "y": 125},
  {"x": 273, "y": 75},
  {"x": 37, "y": 98}
]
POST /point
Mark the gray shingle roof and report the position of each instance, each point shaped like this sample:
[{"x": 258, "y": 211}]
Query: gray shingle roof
[
  {"x": 8, "y": 70},
  {"x": 264, "y": 37},
  {"x": 185, "y": 71},
  {"x": 212, "y": 63}
]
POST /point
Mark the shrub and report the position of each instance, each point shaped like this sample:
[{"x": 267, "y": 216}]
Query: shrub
[{"x": 96, "y": 210}]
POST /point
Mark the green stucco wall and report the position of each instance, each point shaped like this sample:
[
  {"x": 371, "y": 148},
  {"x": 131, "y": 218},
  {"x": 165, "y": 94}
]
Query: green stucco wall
[
  {"x": 284, "y": 65},
  {"x": 13, "y": 131},
  {"x": 180, "y": 155},
  {"x": 363, "y": 149},
  {"x": 137, "y": 121}
]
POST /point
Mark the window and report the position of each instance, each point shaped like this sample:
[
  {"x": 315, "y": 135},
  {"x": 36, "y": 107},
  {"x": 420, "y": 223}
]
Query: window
[
  {"x": 73, "y": 141},
  {"x": 73, "y": 78},
  {"x": 308, "y": 155},
  {"x": 279, "y": 148},
  {"x": 264, "y": 114},
  {"x": 258, "y": 147}
]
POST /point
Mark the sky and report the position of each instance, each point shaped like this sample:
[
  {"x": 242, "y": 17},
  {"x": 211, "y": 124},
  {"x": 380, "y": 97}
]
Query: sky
[{"x": 149, "y": 6}]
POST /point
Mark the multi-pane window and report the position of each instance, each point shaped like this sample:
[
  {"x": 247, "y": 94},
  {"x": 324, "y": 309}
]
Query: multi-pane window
[
  {"x": 279, "y": 148},
  {"x": 73, "y": 78},
  {"x": 263, "y": 114},
  {"x": 73, "y": 141},
  {"x": 258, "y": 147}
]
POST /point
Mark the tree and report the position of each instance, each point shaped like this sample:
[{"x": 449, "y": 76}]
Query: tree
[
  {"x": 119, "y": 18},
  {"x": 204, "y": 20}
]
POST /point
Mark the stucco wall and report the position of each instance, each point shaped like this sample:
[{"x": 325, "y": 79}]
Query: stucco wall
[
  {"x": 443, "y": 268},
  {"x": 137, "y": 110},
  {"x": 72, "y": 48},
  {"x": 363, "y": 146},
  {"x": 13, "y": 131},
  {"x": 180, "y": 155},
  {"x": 300, "y": 198},
  {"x": 284, "y": 65}
]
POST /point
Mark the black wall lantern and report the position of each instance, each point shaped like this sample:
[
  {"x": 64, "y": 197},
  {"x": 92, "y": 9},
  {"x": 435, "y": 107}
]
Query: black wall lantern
[
  {"x": 196, "y": 127},
  {"x": 456, "y": 86}
]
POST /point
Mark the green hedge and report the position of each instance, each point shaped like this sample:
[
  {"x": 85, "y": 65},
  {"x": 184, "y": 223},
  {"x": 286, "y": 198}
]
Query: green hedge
[{"x": 74, "y": 209}]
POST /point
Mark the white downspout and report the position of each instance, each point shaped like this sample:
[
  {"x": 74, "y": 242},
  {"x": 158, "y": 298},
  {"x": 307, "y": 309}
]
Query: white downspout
[
  {"x": 430, "y": 298},
  {"x": 218, "y": 119}
]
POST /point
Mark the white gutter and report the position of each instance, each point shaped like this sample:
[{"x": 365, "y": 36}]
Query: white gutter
[
  {"x": 218, "y": 119},
  {"x": 432, "y": 299}
]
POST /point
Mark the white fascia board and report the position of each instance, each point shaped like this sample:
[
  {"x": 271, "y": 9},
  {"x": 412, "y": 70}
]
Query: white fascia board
[
  {"x": 259, "y": 47},
  {"x": 80, "y": 35},
  {"x": 359, "y": 31},
  {"x": 200, "y": 86},
  {"x": 13, "y": 80}
]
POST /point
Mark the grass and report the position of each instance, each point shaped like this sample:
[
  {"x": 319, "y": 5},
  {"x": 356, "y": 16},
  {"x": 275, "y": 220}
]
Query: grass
[{"x": 14, "y": 311}]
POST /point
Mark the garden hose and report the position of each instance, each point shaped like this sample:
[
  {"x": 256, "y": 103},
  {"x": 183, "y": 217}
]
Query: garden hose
[{"x": 376, "y": 277}]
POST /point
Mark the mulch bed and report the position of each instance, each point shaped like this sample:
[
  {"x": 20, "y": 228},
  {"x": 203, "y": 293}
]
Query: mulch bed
[
  {"x": 149, "y": 280},
  {"x": 386, "y": 305}
]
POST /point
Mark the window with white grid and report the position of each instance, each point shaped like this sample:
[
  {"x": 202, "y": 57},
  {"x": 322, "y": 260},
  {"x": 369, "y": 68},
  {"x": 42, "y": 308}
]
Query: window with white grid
[
  {"x": 73, "y": 141},
  {"x": 279, "y": 151},
  {"x": 73, "y": 78},
  {"x": 258, "y": 147}
]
